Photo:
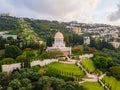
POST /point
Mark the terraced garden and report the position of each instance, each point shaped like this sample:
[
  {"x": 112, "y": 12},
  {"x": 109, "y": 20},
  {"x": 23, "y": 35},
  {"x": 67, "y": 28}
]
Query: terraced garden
[
  {"x": 112, "y": 83},
  {"x": 64, "y": 70},
  {"x": 89, "y": 65},
  {"x": 92, "y": 86}
]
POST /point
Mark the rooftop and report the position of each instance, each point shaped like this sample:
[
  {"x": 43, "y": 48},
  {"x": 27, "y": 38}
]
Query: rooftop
[{"x": 58, "y": 35}]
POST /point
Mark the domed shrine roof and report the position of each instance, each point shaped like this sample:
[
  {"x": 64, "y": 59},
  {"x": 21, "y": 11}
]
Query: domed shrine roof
[{"x": 58, "y": 35}]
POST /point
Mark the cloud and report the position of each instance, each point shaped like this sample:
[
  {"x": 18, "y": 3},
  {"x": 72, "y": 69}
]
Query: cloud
[
  {"x": 64, "y": 10},
  {"x": 115, "y": 16}
]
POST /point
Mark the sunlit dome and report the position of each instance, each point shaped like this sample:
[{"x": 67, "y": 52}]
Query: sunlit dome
[
  {"x": 58, "y": 35},
  {"x": 60, "y": 44}
]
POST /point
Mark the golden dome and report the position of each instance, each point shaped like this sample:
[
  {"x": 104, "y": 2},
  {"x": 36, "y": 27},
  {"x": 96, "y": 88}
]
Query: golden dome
[{"x": 58, "y": 35}]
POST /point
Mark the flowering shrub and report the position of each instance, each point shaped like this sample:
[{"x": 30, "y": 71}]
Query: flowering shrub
[{"x": 27, "y": 49}]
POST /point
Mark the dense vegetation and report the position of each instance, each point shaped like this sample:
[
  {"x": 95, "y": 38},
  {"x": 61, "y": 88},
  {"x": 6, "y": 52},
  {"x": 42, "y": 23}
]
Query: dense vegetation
[
  {"x": 9, "y": 23},
  {"x": 115, "y": 70},
  {"x": 114, "y": 54},
  {"x": 12, "y": 51},
  {"x": 30, "y": 79},
  {"x": 102, "y": 62},
  {"x": 38, "y": 29},
  {"x": 99, "y": 45}
]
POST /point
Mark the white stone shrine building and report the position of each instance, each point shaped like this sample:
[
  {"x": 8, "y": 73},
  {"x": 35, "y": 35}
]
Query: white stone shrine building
[{"x": 60, "y": 44}]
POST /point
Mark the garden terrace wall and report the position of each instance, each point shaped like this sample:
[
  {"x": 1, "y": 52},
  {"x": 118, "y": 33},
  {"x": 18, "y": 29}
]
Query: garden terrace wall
[
  {"x": 10, "y": 67},
  {"x": 44, "y": 62}
]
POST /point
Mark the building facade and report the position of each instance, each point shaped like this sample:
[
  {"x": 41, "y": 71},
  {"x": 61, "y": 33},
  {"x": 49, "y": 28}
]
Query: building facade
[
  {"x": 87, "y": 40},
  {"x": 60, "y": 44},
  {"x": 5, "y": 36},
  {"x": 115, "y": 44}
]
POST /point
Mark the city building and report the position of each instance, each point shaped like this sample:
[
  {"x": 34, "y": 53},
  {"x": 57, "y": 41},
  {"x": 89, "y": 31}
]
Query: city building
[
  {"x": 5, "y": 36},
  {"x": 115, "y": 35},
  {"x": 87, "y": 40},
  {"x": 75, "y": 29},
  {"x": 115, "y": 44},
  {"x": 60, "y": 44}
]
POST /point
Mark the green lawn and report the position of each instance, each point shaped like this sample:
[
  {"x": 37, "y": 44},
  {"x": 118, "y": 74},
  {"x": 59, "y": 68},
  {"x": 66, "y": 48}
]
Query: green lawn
[
  {"x": 112, "y": 82},
  {"x": 92, "y": 86},
  {"x": 89, "y": 65},
  {"x": 67, "y": 68}
]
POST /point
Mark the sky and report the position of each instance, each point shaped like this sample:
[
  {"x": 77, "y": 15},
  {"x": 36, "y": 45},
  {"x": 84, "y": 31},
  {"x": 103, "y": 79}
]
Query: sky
[{"x": 83, "y": 11}]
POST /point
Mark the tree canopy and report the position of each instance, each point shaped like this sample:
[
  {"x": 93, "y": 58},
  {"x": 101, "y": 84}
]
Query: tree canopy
[
  {"x": 12, "y": 51},
  {"x": 115, "y": 71},
  {"x": 102, "y": 62}
]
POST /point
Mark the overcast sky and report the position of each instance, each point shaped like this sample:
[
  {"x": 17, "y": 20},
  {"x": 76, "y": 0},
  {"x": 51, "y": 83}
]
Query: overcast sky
[{"x": 87, "y": 11}]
